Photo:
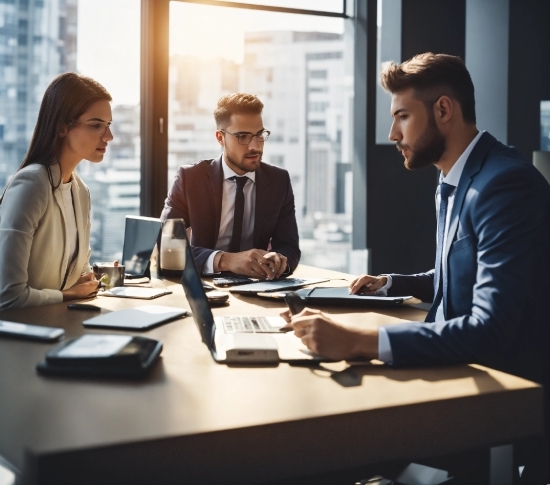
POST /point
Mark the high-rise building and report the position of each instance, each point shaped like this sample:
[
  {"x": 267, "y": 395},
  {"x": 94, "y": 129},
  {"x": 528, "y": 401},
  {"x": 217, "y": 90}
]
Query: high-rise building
[
  {"x": 37, "y": 42},
  {"x": 195, "y": 87}
]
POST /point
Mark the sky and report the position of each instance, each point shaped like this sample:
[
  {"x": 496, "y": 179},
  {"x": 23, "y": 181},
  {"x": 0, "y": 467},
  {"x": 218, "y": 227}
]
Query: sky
[{"x": 109, "y": 36}]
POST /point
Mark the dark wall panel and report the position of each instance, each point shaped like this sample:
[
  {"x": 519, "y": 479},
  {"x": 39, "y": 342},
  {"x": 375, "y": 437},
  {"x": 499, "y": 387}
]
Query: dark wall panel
[{"x": 401, "y": 223}]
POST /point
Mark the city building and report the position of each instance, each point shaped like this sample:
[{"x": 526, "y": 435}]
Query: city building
[{"x": 37, "y": 42}]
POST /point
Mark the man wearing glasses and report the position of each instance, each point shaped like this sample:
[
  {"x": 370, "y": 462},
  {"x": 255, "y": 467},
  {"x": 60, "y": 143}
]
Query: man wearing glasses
[{"x": 240, "y": 210}]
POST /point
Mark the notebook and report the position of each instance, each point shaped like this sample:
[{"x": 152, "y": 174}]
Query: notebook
[
  {"x": 140, "y": 318},
  {"x": 240, "y": 345},
  {"x": 135, "y": 292},
  {"x": 140, "y": 237}
]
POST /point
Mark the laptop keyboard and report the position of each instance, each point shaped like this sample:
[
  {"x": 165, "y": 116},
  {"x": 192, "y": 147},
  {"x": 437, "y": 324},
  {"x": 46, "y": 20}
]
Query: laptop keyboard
[{"x": 247, "y": 325}]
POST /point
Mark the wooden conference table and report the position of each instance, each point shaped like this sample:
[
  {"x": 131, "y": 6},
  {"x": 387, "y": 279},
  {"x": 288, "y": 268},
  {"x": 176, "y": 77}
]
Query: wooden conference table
[{"x": 194, "y": 421}]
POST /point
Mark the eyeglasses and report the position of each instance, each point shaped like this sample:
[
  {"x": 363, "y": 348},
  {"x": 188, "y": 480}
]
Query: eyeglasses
[
  {"x": 246, "y": 138},
  {"x": 100, "y": 127}
]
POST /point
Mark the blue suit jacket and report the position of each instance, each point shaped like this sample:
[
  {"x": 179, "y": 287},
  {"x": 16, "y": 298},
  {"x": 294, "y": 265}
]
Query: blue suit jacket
[
  {"x": 196, "y": 196},
  {"x": 498, "y": 260}
]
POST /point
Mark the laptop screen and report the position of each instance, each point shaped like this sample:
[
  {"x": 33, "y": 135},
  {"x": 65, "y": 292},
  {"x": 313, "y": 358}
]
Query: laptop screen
[
  {"x": 192, "y": 285},
  {"x": 140, "y": 237}
]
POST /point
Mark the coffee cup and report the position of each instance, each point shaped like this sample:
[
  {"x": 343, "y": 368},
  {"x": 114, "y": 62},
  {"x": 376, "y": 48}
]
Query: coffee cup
[{"x": 109, "y": 274}]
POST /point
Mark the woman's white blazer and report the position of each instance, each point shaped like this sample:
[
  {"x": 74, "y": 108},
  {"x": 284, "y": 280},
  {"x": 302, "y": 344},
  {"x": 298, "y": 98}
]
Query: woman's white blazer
[{"x": 34, "y": 249}]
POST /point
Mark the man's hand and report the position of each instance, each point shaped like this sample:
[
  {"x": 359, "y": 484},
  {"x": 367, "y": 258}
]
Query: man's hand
[
  {"x": 254, "y": 263},
  {"x": 367, "y": 285},
  {"x": 323, "y": 336},
  {"x": 276, "y": 262}
]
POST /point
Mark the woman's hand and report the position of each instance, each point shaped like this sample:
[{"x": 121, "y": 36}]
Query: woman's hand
[
  {"x": 85, "y": 287},
  {"x": 85, "y": 277}
]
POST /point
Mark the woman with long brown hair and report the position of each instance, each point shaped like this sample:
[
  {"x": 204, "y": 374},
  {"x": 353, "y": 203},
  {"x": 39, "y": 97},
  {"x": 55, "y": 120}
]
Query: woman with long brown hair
[{"x": 45, "y": 209}]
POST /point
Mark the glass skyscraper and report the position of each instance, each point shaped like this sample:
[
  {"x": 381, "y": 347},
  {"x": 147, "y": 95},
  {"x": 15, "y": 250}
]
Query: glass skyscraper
[{"x": 37, "y": 42}]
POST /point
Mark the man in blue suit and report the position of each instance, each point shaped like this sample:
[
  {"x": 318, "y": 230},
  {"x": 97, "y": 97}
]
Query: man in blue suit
[{"x": 490, "y": 287}]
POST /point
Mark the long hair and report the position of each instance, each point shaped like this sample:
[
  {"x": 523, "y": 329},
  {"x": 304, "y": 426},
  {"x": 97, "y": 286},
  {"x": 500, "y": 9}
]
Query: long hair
[{"x": 67, "y": 97}]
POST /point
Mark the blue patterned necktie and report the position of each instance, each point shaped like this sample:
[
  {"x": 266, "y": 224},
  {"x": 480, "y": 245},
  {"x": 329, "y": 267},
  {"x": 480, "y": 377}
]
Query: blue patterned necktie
[
  {"x": 235, "y": 243},
  {"x": 445, "y": 190}
]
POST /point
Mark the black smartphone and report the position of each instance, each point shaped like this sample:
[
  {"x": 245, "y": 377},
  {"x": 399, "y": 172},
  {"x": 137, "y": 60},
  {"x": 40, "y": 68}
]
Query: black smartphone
[
  {"x": 30, "y": 332},
  {"x": 294, "y": 302},
  {"x": 83, "y": 306}
]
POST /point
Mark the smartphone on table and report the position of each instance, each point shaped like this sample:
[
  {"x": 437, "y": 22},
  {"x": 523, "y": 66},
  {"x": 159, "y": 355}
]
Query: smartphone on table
[{"x": 30, "y": 332}]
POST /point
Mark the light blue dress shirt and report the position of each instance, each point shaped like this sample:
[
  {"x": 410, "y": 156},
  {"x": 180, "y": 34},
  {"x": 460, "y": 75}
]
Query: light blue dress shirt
[{"x": 452, "y": 178}]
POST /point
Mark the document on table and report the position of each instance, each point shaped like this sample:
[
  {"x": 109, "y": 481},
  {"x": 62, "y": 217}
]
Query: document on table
[{"x": 135, "y": 292}]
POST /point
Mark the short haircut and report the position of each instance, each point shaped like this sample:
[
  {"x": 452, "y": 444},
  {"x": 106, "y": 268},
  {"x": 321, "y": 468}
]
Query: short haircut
[
  {"x": 236, "y": 103},
  {"x": 432, "y": 76}
]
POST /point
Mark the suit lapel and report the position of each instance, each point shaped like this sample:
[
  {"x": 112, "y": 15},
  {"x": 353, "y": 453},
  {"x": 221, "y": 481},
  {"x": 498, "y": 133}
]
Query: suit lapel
[
  {"x": 215, "y": 185},
  {"x": 472, "y": 167},
  {"x": 263, "y": 196}
]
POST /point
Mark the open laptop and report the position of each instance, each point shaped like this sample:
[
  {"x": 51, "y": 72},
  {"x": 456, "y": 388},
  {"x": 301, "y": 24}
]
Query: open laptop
[
  {"x": 140, "y": 237},
  {"x": 240, "y": 339}
]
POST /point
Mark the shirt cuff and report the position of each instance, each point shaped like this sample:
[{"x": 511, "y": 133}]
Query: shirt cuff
[
  {"x": 383, "y": 291},
  {"x": 384, "y": 347},
  {"x": 208, "y": 266}
]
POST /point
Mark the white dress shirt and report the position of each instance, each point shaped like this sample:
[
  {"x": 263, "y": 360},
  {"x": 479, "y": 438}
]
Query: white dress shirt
[
  {"x": 68, "y": 212},
  {"x": 228, "y": 207},
  {"x": 452, "y": 178}
]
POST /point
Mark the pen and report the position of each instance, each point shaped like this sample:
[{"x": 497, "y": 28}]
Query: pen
[{"x": 83, "y": 306}]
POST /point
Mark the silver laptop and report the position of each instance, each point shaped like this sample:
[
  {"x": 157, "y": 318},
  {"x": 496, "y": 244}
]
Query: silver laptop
[{"x": 240, "y": 339}]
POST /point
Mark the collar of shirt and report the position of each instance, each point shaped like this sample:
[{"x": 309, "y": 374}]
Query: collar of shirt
[
  {"x": 228, "y": 173},
  {"x": 453, "y": 177}
]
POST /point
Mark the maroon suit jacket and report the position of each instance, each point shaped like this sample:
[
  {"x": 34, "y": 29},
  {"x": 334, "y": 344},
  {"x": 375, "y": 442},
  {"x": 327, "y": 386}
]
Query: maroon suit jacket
[{"x": 196, "y": 197}]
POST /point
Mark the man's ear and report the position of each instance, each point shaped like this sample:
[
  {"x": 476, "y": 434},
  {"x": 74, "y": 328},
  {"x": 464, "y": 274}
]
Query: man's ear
[
  {"x": 219, "y": 137},
  {"x": 443, "y": 109}
]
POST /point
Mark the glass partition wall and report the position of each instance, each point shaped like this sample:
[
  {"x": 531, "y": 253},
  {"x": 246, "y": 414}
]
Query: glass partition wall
[{"x": 299, "y": 66}]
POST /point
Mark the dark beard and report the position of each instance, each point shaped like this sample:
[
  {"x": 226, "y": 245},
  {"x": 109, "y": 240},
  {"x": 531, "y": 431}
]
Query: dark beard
[
  {"x": 239, "y": 163},
  {"x": 428, "y": 149}
]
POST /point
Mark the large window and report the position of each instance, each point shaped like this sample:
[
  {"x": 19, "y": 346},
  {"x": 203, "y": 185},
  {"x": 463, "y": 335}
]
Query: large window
[
  {"x": 300, "y": 67},
  {"x": 108, "y": 50},
  {"x": 41, "y": 39},
  {"x": 37, "y": 42}
]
